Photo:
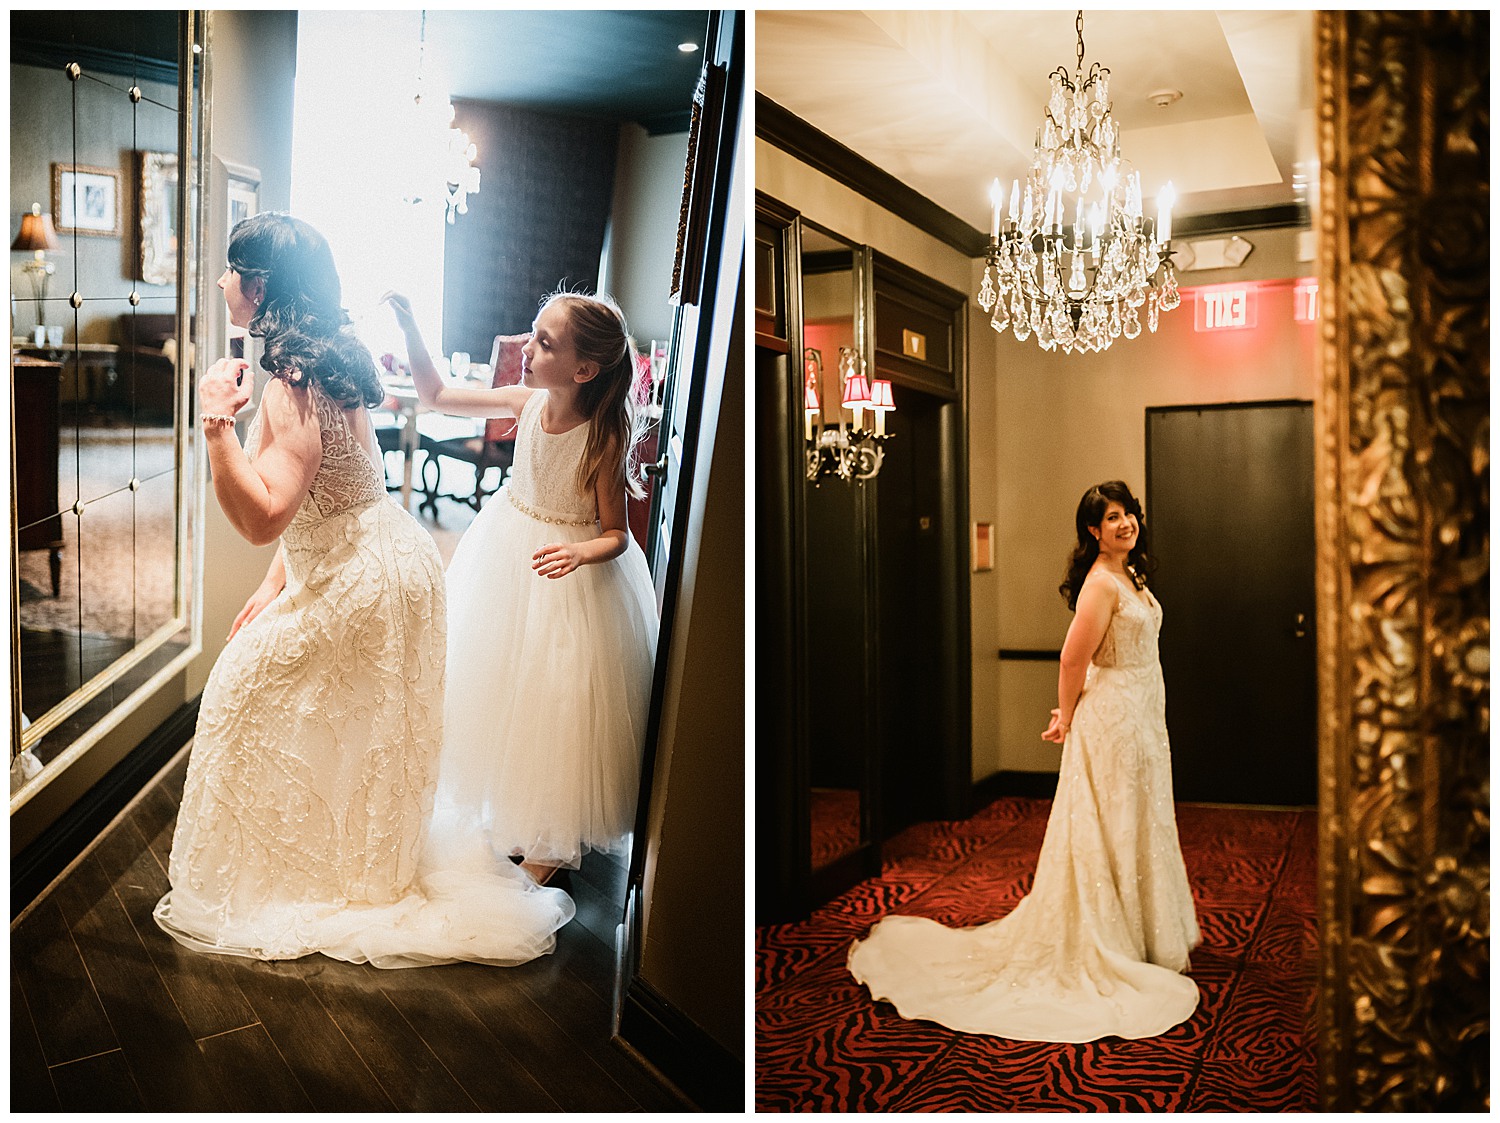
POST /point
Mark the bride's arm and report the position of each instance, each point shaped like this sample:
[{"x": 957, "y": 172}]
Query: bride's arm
[
  {"x": 260, "y": 497},
  {"x": 268, "y": 591},
  {"x": 1096, "y": 604}
]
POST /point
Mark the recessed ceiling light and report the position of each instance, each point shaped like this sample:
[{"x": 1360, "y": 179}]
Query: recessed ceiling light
[{"x": 687, "y": 48}]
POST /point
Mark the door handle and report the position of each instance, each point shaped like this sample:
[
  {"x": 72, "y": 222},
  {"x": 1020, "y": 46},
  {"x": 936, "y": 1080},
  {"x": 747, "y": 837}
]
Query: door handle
[
  {"x": 1299, "y": 626},
  {"x": 657, "y": 470}
]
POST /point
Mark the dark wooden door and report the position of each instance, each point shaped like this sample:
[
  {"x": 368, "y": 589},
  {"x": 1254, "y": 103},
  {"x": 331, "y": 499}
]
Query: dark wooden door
[
  {"x": 913, "y": 660},
  {"x": 1229, "y": 508}
]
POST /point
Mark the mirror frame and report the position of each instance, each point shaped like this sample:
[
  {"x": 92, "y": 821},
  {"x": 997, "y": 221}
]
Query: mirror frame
[
  {"x": 831, "y": 878},
  {"x": 193, "y": 95},
  {"x": 1402, "y": 428}
]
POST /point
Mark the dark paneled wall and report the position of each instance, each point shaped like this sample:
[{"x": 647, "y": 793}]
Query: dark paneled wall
[{"x": 537, "y": 222}]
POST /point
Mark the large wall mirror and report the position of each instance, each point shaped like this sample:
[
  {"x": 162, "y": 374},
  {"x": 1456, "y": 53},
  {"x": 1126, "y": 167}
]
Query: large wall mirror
[
  {"x": 841, "y": 741},
  {"x": 105, "y": 139}
]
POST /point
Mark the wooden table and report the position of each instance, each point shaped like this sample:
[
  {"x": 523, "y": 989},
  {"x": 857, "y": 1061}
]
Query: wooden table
[{"x": 408, "y": 408}]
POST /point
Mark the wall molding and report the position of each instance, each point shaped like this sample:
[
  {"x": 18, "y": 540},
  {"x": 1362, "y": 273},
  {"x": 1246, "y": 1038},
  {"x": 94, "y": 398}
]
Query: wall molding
[
  {"x": 778, "y": 126},
  {"x": 666, "y": 1040},
  {"x": 794, "y": 136},
  {"x": 51, "y": 852}
]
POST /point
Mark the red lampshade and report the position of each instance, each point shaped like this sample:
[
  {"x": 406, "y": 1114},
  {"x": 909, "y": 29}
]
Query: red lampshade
[
  {"x": 880, "y": 395},
  {"x": 856, "y": 390},
  {"x": 37, "y": 232}
]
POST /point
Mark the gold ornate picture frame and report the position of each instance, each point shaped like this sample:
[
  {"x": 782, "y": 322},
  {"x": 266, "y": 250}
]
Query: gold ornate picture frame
[
  {"x": 1402, "y": 419},
  {"x": 159, "y": 221}
]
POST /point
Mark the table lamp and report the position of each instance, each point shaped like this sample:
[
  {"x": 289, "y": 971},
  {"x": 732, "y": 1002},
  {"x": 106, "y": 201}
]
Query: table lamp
[{"x": 37, "y": 235}]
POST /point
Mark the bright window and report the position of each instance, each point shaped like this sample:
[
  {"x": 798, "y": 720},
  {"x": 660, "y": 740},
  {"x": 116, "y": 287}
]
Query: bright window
[{"x": 351, "y": 165}]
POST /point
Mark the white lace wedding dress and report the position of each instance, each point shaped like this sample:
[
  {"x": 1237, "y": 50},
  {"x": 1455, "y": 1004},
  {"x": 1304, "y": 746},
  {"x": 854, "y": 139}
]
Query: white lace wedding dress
[
  {"x": 1096, "y": 948},
  {"x": 303, "y": 824}
]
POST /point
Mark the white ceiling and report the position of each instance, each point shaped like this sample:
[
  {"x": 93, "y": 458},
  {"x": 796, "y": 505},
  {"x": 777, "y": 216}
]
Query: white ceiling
[{"x": 946, "y": 101}]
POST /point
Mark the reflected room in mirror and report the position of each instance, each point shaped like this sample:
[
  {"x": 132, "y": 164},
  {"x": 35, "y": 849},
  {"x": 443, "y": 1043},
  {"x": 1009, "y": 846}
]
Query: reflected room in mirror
[
  {"x": 840, "y": 749},
  {"x": 101, "y": 527}
]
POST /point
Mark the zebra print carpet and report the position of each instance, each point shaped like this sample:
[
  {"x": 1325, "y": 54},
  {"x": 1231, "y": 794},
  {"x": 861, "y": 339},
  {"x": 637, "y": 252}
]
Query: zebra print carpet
[{"x": 823, "y": 1045}]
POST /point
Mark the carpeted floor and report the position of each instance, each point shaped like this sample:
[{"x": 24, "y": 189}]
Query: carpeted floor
[
  {"x": 835, "y": 824},
  {"x": 121, "y": 582},
  {"x": 823, "y": 1045}
]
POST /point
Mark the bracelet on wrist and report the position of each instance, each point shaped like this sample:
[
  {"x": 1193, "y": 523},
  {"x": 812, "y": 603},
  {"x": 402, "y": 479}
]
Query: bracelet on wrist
[{"x": 215, "y": 420}]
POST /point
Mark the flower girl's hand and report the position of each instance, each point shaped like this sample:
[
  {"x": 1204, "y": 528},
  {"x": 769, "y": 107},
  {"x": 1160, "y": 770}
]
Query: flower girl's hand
[
  {"x": 1057, "y": 731},
  {"x": 224, "y": 389},
  {"x": 405, "y": 319},
  {"x": 555, "y": 560}
]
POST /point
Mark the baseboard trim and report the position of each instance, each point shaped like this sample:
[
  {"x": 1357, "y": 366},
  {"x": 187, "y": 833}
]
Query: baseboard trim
[
  {"x": 39, "y": 864},
  {"x": 998, "y": 785},
  {"x": 671, "y": 1044}
]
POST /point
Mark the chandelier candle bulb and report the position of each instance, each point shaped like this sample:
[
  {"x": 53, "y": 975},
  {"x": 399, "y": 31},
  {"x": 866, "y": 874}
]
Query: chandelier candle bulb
[
  {"x": 1164, "y": 200},
  {"x": 1015, "y": 201},
  {"x": 995, "y": 210}
]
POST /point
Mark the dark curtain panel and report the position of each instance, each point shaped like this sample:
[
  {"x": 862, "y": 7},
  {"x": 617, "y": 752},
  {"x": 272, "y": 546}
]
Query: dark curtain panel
[{"x": 546, "y": 181}]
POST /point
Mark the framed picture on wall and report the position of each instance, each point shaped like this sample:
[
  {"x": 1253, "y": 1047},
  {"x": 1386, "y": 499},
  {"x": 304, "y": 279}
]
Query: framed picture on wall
[
  {"x": 241, "y": 200},
  {"x": 243, "y": 193},
  {"x": 86, "y": 200},
  {"x": 158, "y": 218}
]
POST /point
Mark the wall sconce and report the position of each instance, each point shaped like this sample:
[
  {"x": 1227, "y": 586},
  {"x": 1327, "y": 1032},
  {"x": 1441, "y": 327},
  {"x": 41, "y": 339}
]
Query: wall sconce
[
  {"x": 37, "y": 235},
  {"x": 849, "y": 454}
]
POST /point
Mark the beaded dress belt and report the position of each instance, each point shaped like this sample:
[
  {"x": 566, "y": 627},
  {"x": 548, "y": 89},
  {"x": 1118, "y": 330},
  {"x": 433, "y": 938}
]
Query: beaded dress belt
[{"x": 530, "y": 513}]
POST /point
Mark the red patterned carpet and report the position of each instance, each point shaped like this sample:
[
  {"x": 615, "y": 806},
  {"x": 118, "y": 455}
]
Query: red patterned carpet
[{"x": 822, "y": 1045}]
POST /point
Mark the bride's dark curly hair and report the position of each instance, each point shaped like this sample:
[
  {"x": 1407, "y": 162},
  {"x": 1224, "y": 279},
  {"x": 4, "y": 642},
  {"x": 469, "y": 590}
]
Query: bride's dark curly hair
[
  {"x": 1091, "y": 510},
  {"x": 301, "y": 319}
]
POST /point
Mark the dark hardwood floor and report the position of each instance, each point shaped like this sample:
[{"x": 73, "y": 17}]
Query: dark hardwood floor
[{"x": 109, "y": 1014}]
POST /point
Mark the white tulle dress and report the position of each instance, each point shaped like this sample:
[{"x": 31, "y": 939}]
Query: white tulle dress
[
  {"x": 1096, "y": 948},
  {"x": 303, "y": 824},
  {"x": 548, "y": 679}
]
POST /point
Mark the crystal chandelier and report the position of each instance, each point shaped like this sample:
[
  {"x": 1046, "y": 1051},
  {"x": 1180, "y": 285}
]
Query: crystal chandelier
[
  {"x": 1079, "y": 285},
  {"x": 855, "y": 453},
  {"x": 439, "y": 155}
]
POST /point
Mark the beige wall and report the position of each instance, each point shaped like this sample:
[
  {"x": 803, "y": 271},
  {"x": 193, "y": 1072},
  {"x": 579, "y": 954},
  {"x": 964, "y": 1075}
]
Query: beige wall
[
  {"x": 254, "y": 70},
  {"x": 693, "y": 948},
  {"x": 1044, "y": 427},
  {"x": 643, "y": 229}
]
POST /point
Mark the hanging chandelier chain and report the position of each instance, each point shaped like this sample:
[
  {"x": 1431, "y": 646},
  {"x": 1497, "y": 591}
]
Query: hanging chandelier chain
[{"x": 1079, "y": 26}]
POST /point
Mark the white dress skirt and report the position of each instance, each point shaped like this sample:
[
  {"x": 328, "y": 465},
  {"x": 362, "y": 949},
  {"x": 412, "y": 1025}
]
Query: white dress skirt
[{"x": 549, "y": 680}]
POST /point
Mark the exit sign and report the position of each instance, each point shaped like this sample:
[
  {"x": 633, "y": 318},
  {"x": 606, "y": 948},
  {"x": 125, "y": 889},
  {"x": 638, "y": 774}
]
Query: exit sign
[{"x": 1224, "y": 307}]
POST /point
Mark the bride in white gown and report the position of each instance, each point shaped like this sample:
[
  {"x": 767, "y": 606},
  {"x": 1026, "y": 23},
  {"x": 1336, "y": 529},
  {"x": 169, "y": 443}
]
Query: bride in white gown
[
  {"x": 304, "y": 824},
  {"x": 1098, "y": 946}
]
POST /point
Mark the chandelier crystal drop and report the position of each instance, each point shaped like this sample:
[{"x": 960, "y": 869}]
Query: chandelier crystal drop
[
  {"x": 1076, "y": 259},
  {"x": 438, "y": 153}
]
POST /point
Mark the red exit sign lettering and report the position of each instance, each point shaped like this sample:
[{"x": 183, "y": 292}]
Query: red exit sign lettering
[{"x": 1224, "y": 307}]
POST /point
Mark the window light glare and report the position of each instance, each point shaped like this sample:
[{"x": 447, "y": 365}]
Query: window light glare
[{"x": 687, "y": 48}]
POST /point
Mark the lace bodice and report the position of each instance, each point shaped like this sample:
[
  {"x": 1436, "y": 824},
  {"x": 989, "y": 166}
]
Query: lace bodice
[
  {"x": 347, "y": 478},
  {"x": 1130, "y": 640},
  {"x": 545, "y": 474}
]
